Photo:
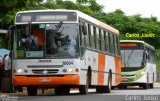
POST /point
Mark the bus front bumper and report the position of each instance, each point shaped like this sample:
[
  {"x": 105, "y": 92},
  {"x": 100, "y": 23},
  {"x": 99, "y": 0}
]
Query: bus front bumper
[{"x": 46, "y": 81}]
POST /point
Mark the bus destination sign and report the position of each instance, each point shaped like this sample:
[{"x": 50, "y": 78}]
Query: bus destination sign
[
  {"x": 45, "y": 17},
  {"x": 131, "y": 45},
  {"x": 51, "y": 17}
]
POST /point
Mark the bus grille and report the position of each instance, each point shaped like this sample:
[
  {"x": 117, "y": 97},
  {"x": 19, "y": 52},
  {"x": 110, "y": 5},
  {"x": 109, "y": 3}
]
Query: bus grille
[{"x": 46, "y": 71}]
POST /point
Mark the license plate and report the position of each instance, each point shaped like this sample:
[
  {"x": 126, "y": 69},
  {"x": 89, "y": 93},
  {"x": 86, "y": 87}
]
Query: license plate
[{"x": 44, "y": 80}]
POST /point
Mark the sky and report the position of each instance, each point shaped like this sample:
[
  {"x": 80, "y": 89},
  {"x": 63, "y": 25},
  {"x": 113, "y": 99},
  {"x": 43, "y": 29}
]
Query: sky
[{"x": 146, "y": 8}]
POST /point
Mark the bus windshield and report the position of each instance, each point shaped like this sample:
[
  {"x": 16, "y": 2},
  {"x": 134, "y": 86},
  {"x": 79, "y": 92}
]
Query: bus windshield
[
  {"x": 58, "y": 40},
  {"x": 132, "y": 58}
]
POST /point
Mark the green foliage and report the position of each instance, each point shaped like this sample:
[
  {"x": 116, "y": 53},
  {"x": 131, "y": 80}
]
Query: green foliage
[
  {"x": 94, "y": 6},
  {"x": 82, "y": 1},
  {"x": 118, "y": 19}
]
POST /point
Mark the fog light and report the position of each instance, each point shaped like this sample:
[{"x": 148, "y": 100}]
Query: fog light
[
  {"x": 64, "y": 70},
  {"x": 14, "y": 71},
  {"x": 77, "y": 70},
  {"x": 25, "y": 71}
]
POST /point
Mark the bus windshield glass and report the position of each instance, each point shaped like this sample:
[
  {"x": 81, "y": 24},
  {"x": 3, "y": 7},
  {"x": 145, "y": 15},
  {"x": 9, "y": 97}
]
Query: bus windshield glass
[
  {"x": 58, "y": 40},
  {"x": 132, "y": 58}
]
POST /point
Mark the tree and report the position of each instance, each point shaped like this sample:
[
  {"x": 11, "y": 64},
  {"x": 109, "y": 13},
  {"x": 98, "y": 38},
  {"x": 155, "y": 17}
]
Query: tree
[
  {"x": 118, "y": 19},
  {"x": 8, "y": 9},
  {"x": 82, "y": 1},
  {"x": 95, "y": 6}
]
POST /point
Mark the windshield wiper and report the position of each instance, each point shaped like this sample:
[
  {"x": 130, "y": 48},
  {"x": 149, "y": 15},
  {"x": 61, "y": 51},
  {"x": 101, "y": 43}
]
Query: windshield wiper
[
  {"x": 59, "y": 26},
  {"x": 129, "y": 57}
]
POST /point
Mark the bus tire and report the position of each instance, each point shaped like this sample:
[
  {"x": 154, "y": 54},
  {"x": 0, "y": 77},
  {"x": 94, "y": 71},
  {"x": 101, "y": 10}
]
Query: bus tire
[
  {"x": 151, "y": 85},
  {"x": 145, "y": 86},
  {"x": 32, "y": 91},
  {"x": 66, "y": 90},
  {"x": 108, "y": 88},
  {"x": 58, "y": 91},
  {"x": 100, "y": 89},
  {"x": 83, "y": 89},
  {"x": 122, "y": 87}
]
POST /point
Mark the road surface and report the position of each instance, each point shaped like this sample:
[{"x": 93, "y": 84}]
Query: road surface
[{"x": 130, "y": 94}]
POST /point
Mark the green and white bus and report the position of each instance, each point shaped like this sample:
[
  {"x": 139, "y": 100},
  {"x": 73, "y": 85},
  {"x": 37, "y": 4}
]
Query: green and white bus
[{"x": 138, "y": 64}]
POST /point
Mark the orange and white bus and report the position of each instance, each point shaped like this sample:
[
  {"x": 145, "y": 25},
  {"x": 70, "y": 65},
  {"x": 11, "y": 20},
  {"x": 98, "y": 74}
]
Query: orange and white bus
[{"x": 74, "y": 51}]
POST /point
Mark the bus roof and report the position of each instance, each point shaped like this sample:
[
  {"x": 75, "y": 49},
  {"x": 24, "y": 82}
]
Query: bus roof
[
  {"x": 139, "y": 41},
  {"x": 81, "y": 15}
]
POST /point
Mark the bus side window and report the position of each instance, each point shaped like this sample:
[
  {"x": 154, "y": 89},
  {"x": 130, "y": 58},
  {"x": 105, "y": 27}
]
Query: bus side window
[
  {"x": 89, "y": 35},
  {"x": 97, "y": 39},
  {"x": 94, "y": 37},
  {"x": 82, "y": 35},
  {"x": 103, "y": 44},
  {"x": 107, "y": 42},
  {"x": 145, "y": 58}
]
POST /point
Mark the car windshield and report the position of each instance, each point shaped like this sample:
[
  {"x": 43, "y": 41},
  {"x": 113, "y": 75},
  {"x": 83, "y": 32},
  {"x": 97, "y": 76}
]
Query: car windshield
[
  {"x": 132, "y": 58},
  {"x": 58, "y": 40}
]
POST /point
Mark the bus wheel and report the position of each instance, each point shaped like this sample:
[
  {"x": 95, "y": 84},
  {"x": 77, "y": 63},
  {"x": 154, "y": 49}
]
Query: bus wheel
[
  {"x": 145, "y": 86},
  {"x": 58, "y": 91},
  {"x": 151, "y": 85},
  {"x": 107, "y": 89},
  {"x": 83, "y": 89},
  {"x": 32, "y": 91},
  {"x": 66, "y": 90},
  {"x": 122, "y": 87},
  {"x": 100, "y": 89}
]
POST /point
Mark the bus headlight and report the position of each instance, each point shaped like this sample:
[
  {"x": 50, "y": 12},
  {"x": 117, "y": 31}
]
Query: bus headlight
[
  {"x": 70, "y": 69},
  {"x": 140, "y": 74},
  {"x": 20, "y": 71}
]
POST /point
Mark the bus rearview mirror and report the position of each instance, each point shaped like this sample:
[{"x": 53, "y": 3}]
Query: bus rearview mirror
[{"x": 9, "y": 32}]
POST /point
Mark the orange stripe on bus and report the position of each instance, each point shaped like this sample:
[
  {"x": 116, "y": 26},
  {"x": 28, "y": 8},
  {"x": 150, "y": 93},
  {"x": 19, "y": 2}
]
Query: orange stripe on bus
[
  {"x": 101, "y": 67},
  {"x": 118, "y": 70},
  {"x": 49, "y": 81}
]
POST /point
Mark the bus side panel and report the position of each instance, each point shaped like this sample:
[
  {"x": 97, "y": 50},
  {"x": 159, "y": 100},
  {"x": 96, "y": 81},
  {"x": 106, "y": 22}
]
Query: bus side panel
[
  {"x": 151, "y": 70},
  {"x": 110, "y": 65},
  {"x": 97, "y": 62},
  {"x": 118, "y": 70},
  {"x": 90, "y": 60},
  {"x": 101, "y": 66}
]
